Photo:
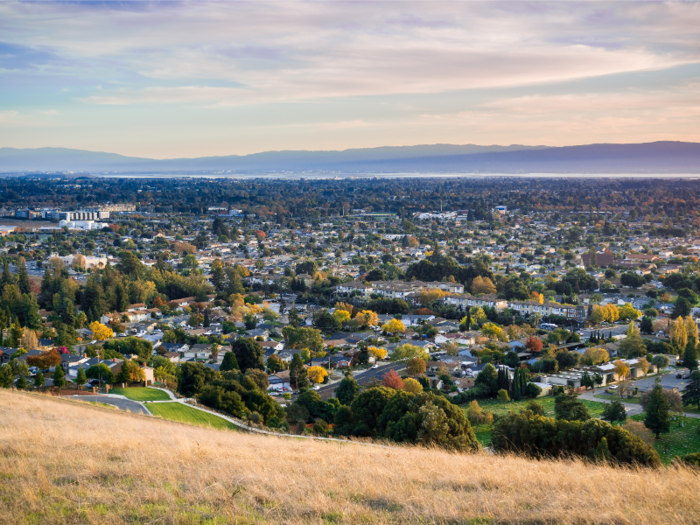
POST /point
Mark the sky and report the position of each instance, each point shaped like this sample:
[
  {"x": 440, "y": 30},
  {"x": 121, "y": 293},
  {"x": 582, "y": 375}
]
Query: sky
[{"x": 190, "y": 79}]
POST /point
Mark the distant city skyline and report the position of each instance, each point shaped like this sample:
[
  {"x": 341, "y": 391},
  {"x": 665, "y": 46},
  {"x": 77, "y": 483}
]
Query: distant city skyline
[{"x": 193, "y": 79}]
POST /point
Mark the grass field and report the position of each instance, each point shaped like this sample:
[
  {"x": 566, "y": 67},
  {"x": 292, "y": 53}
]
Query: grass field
[
  {"x": 483, "y": 433},
  {"x": 119, "y": 468},
  {"x": 141, "y": 394},
  {"x": 186, "y": 414},
  {"x": 680, "y": 440}
]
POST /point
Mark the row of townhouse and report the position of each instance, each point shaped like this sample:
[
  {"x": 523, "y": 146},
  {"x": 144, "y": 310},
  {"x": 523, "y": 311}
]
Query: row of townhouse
[
  {"x": 396, "y": 289},
  {"x": 569, "y": 311},
  {"x": 469, "y": 301}
]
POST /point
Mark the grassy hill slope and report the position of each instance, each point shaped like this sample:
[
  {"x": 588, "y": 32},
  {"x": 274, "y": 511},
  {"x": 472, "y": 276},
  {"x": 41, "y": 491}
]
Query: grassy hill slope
[{"x": 65, "y": 462}]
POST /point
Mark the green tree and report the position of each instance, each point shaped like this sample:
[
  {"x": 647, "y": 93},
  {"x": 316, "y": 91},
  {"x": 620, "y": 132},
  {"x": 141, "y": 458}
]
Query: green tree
[
  {"x": 488, "y": 377},
  {"x": 614, "y": 411},
  {"x": 691, "y": 394},
  {"x": 568, "y": 408},
  {"x": 39, "y": 379},
  {"x": 602, "y": 452},
  {"x": 690, "y": 356},
  {"x": 192, "y": 377},
  {"x": 249, "y": 354},
  {"x": 229, "y": 362},
  {"x": 59, "y": 378},
  {"x": 658, "y": 419},
  {"x": 81, "y": 378},
  {"x": 347, "y": 390},
  {"x": 23, "y": 277},
  {"x": 101, "y": 372},
  {"x": 367, "y": 408},
  {"x": 503, "y": 396},
  {"x": 587, "y": 381},
  {"x": 21, "y": 382}
]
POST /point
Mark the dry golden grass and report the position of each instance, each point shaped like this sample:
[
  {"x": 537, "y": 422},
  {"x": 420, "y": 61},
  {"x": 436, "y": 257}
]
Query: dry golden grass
[{"x": 65, "y": 462}]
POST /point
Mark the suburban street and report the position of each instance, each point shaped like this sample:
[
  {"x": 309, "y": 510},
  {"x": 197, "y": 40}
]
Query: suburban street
[{"x": 363, "y": 377}]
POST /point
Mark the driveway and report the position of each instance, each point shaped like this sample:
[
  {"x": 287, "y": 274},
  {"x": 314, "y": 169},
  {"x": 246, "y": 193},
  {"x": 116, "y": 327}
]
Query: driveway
[
  {"x": 668, "y": 381},
  {"x": 120, "y": 403}
]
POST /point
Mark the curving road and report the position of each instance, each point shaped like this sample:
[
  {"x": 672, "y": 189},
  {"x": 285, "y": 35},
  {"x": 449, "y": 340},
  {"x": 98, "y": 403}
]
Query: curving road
[{"x": 120, "y": 403}]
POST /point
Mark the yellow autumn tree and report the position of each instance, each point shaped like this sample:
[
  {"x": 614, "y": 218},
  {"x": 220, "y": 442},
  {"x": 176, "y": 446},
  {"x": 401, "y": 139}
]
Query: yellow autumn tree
[
  {"x": 679, "y": 335},
  {"x": 492, "y": 331},
  {"x": 366, "y": 319},
  {"x": 100, "y": 332},
  {"x": 345, "y": 306},
  {"x": 342, "y": 316},
  {"x": 425, "y": 297},
  {"x": 482, "y": 285},
  {"x": 691, "y": 328},
  {"x": 317, "y": 374},
  {"x": 395, "y": 326},
  {"x": 377, "y": 353}
]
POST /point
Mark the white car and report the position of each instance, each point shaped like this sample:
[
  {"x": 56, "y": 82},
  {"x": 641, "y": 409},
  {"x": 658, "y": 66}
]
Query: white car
[
  {"x": 317, "y": 387},
  {"x": 375, "y": 366}
]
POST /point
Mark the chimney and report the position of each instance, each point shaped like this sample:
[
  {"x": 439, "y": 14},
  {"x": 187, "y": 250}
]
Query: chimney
[{"x": 85, "y": 355}]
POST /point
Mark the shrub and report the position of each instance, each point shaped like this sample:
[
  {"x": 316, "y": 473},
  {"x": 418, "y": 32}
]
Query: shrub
[{"x": 539, "y": 436}]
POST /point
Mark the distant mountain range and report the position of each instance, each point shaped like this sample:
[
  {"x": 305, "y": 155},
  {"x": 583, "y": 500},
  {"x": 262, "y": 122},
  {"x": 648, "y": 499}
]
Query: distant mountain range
[{"x": 648, "y": 158}]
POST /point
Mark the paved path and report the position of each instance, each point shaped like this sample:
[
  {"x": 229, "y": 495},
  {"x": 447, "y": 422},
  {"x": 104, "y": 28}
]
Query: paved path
[
  {"x": 633, "y": 408},
  {"x": 120, "y": 402}
]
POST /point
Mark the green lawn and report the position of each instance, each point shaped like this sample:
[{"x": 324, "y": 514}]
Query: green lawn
[
  {"x": 186, "y": 414},
  {"x": 492, "y": 405},
  {"x": 141, "y": 394},
  {"x": 680, "y": 441}
]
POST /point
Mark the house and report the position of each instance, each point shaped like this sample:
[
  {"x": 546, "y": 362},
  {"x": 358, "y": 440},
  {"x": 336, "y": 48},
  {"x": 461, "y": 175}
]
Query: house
[
  {"x": 173, "y": 356},
  {"x": 272, "y": 345},
  {"x": 173, "y": 347}
]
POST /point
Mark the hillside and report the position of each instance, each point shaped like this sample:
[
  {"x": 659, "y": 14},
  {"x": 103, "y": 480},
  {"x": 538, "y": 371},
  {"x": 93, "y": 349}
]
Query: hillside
[
  {"x": 65, "y": 462},
  {"x": 654, "y": 157}
]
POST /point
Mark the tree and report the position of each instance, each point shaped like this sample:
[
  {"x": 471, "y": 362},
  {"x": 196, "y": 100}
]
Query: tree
[
  {"x": 408, "y": 351},
  {"x": 101, "y": 372},
  {"x": 21, "y": 382},
  {"x": 131, "y": 372},
  {"x": 192, "y": 377},
  {"x": 367, "y": 408},
  {"x": 587, "y": 381},
  {"x": 492, "y": 331},
  {"x": 23, "y": 277},
  {"x": 46, "y": 360},
  {"x": 661, "y": 361},
  {"x": 503, "y": 396},
  {"x": 691, "y": 394},
  {"x": 394, "y": 327},
  {"x": 229, "y": 362},
  {"x": 478, "y": 416},
  {"x": 568, "y": 408},
  {"x": 690, "y": 356},
  {"x": 678, "y": 335},
  {"x": 482, "y": 285},
  {"x": 377, "y": 353},
  {"x": 538, "y": 436},
  {"x": 59, "y": 378},
  {"x": 100, "y": 332},
  {"x": 365, "y": 319},
  {"x": 39, "y": 379},
  {"x": 633, "y": 345},
  {"x": 81, "y": 379},
  {"x": 621, "y": 369},
  {"x": 392, "y": 380},
  {"x": 415, "y": 366},
  {"x": 595, "y": 356},
  {"x": 657, "y": 419},
  {"x": 646, "y": 325},
  {"x": 317, "y": 374},
  {"x": 249, "y": 354},
  {"x": 347, "y": 389},
  {"x": 488, "y": 377},
  {"x": 614, "y": 411},
  {"x": 412, "y": 386},
  {"x": 533, "y": 344}
]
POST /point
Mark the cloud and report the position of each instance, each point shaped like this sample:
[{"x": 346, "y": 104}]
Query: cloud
[{"x": 297, "y": 51}]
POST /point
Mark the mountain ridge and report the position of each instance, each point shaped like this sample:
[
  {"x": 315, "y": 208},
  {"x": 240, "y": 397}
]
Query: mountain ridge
[{"x": 651, "y": 157}]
